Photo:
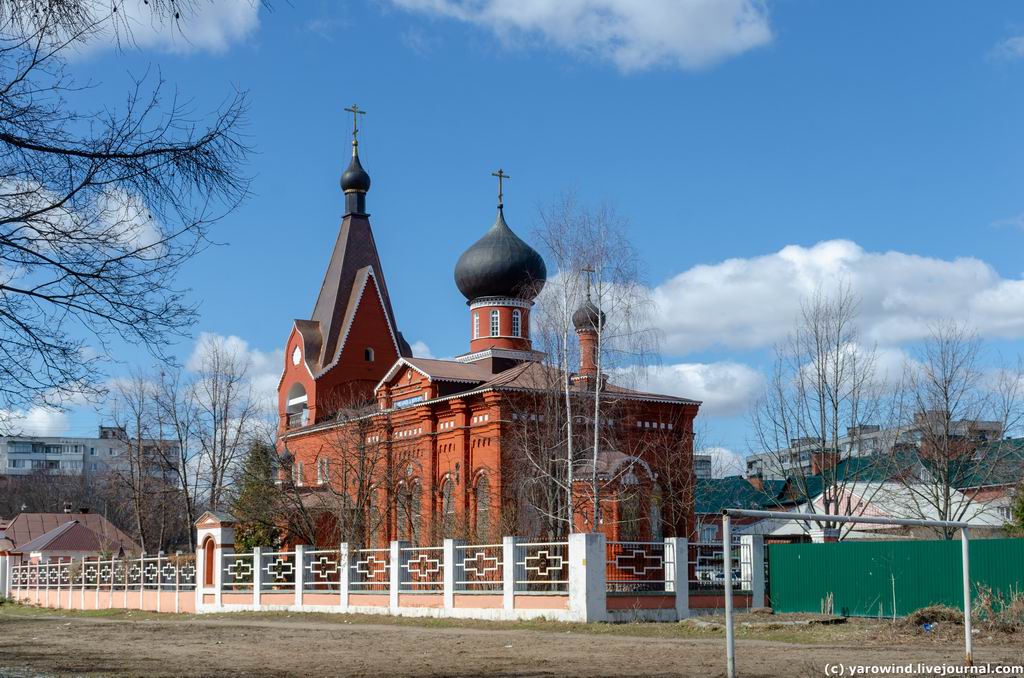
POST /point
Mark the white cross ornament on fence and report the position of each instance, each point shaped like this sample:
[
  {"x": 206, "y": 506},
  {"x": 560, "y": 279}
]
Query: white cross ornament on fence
[
  {"x": 546, "y": 563},
  {"x": 280, "y": 568},
  {"x": 481, "y": 564},
  {"x": 323, "y": 567}
]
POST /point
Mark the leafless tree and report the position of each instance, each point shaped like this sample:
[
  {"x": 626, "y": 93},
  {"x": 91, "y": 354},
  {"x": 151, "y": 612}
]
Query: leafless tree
[
  {"x": 225, "y": 411},
  {"x": 99, "y": 208},
  {"x": 177, "y": 415},
  {"x": 596, "y": 264},
  {"x": 957, "y": 413},
  {"x": 823, "y": 386}
]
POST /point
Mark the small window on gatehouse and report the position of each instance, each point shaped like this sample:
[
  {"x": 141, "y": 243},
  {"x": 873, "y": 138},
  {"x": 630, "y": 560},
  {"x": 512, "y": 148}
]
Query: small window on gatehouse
[{"x": 368, "y": 355}]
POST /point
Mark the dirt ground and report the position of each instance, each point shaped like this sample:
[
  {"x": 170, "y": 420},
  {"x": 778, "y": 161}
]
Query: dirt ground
[{"x": 48, "y": 643}]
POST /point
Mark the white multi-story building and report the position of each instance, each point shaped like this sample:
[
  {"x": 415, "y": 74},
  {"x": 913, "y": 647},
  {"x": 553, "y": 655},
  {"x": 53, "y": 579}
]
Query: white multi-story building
[
  {"x": 703, "y": 466},
  {"x": 106, "y": 453},
  {"x": 804, "y": 454}
]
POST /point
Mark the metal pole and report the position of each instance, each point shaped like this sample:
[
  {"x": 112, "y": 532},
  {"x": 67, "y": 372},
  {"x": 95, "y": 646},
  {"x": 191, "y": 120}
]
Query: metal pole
[
  {"x": 968, "y": 649},
  {"x": 730, "y": 641}
]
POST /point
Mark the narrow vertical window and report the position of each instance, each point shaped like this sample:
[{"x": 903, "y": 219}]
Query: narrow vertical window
[
  {"x": 494, "y": 323},
  {"x": 517, "y": 323},
  {"x": 368, "y": 354},
  {"x": 448, "y": 509},
  {"x": 476, "y": 325}
]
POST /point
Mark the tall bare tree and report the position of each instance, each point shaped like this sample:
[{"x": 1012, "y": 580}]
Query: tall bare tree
[
  {"x": 598, "y": 269},
  {"x": 177, "y": 415},
  {"x": 958, "y": 413},
  {"x": 823, "y": 386},
  {"x": 225, "y": 413},
  {"x": 99, "y": 207}
]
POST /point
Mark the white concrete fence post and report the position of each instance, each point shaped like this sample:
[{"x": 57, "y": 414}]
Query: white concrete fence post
[
  {"x": 752, "y": 566},
  {"x": 343, "y": 576},
  {"x": 677, "y": 574},
  {"x": 452, "y": 559},
  {"x": 5, "y": 576},
  {"x": 257, "y": 576},
  {"x": 587, "y": 590},
  {"x": 397, "y": 573},
  {"x": 300, "y": 574},
  {"x": 509, "y": 570}
]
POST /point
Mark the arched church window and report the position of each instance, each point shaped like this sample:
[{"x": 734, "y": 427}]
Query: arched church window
[
  {"x": 368, "y": 354},
  {"x": 517, "y": 323},
  {"x": 494, "y": 323},
  {"x": 657, "y": 533},
  {"x": 483, "y": 507},
  {"x": 476, "y": 325},
  {"x": 448, "y": 509},
  {"x": 630, "y": 513}
]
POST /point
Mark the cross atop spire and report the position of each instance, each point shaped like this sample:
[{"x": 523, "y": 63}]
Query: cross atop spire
[
  {"x": 501, "y": 177},
  {"x": 356, "y": 112},
  {"x": 589, "y": 270}
]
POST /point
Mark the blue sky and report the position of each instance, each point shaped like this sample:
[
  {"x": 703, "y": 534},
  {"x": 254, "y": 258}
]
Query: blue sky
[{"x": 727, "y": 130}]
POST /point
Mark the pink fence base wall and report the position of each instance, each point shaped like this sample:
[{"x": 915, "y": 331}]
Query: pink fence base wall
[{"x": 70, "y": 599}]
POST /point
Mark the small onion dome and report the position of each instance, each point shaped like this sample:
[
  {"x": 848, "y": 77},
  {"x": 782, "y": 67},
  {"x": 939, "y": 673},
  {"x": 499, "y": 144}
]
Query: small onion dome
[
  {"x": 500, "y": 264},
  {"x": 355, "y": 177},
  {"x": 588, "y": 317}
]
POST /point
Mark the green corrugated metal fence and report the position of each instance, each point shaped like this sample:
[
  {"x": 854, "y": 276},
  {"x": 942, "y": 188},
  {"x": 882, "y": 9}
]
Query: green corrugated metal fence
[{"x": 864, "y": 576}]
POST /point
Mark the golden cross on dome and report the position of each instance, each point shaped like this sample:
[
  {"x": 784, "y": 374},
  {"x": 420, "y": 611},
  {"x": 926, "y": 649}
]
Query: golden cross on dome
[
  {"x": 501, "y": 177},
  {"x": 356, "y": 112}
]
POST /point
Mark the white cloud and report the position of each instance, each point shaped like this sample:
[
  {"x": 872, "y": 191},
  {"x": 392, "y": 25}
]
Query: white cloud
[
  {"x": 421, "y": 350},
  {"x": 725, "y": 388},
  {"x": 1010, "y": 48},
  {"x": 263, "y": 367},
  {"x": 725, "y": 462},
  {"x": 37, "y": 421},
  {"x": 206, "y": 27},
  {"x": 751, "y": 303},
  {"x": 633, "y": 35}
]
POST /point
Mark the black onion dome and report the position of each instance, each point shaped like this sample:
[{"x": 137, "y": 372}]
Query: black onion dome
[
  {"x": 355, "y": 178},
  {"x": 588, "y": 316},
  {"x": 500, "y": 264}
]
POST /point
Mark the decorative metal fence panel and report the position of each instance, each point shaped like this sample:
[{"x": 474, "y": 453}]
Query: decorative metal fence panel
[
  {"x": 633, "y": 566},
  {"x": 542, "y": 567},
  {"x": 322, "y": 571},
  {"x": 277, "y": 570},
  {"x": 237, "y": 570},
  {"x": 370, "y": 570},
  {"x": 707, "y": 567},
  {"x": 163, "y": 573},
  {"x": 422, "y": 569},
  {"x": 479, "y": 568}
]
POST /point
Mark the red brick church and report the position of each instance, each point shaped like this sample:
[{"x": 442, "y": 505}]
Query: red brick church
[{"x": 474, "y": 447}]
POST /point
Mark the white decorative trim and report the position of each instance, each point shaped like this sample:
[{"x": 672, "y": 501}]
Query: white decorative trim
[
  {"x": 528, "y": 356},
  {"x": 486, "y": 302},
  {"x": 340, "y": 348}
]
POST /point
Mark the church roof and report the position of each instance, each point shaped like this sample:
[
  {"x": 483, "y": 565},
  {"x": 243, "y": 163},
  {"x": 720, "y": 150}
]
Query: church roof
[
  {"x": 450, "y": 370},
  {"x": 352, "y": 262}
]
